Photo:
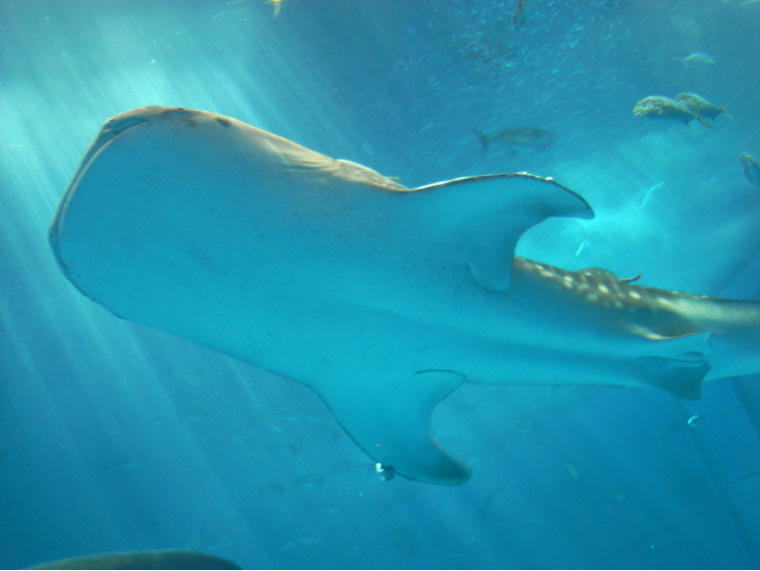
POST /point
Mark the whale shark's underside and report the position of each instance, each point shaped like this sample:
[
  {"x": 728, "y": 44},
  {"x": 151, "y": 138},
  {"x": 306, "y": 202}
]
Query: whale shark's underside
[{"x": 381, "y": 298}]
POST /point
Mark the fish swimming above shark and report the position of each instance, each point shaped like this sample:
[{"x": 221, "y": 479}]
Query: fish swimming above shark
[
  {"x": 383, "y": 299},
  {"x": 516, "y": 139}
]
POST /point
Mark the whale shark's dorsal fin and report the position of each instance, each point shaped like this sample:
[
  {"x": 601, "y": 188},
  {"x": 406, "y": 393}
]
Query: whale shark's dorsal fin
[
  {"x": 489, "y": 212},
  {"x": 493, "y": 211}
]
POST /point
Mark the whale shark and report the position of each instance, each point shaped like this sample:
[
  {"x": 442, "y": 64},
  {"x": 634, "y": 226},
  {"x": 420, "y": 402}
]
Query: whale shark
[
  {"x": 156, "y": 559},
  {"x": 383, "y": 299}
]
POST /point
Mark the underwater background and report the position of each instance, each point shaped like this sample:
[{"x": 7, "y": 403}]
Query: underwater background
[{"x": 117, "y": 437}]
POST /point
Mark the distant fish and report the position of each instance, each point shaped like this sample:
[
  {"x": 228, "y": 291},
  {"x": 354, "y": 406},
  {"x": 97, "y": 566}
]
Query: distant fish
[
  {"x": 311, "y": 540},
  {"x": 519, "y": 16},
  {"x": 122, "y": 464},
  {"x": 161, "y": 559},
  {"x": 519, "y": 138},
  {"x": 618, "y": 494},
  {"x": 700, "y": 106},
  {"x": 572, "y": 471},
  {"x": 658, "y": 107},
  {"x": 199, "y": 415},
  {"x": 276, "y": 489},
  {"x": 308, "y": 481},
  {"x": 276, "y": 4},
  {"x": 386, "y": 473},
  {"x": 746, "y": 477},
  {"x": 696, "y": 58},
  {"x": 486, "y": 512},
  {"x": 696, "y": 422},
  {"x": 477, "y": 402},
  {"x": 645, "y": 195},
  {"x": 751, "y": 169},
  {"x": 323, "y": 509}
]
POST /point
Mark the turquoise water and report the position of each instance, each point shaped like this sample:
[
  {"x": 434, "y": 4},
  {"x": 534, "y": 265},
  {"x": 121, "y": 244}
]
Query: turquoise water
[{"x": 118, "y": 437}]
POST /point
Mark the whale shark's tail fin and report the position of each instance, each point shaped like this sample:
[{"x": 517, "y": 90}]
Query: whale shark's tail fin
[{"x": 483, "y": 138}]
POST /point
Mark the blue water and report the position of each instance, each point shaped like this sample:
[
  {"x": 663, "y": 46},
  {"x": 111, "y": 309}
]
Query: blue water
[{"x": 117, "y": 437}]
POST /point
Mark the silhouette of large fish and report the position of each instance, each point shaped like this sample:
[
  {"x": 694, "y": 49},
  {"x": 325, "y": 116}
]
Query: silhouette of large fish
[
  {"x": 517, "y": 139},
  {"x": 158, "y": 559},
  {"x": 700, "y": 106},
  {"x": 381, "y": 298},
  {"x": 659, "y": 107}
]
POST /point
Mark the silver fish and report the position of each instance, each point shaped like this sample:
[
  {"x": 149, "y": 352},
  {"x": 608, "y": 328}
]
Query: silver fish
[
  {"x": 700, "y": 107},
  {"x": 696, "y": 58},
  {"x": 659, "y": 107}
]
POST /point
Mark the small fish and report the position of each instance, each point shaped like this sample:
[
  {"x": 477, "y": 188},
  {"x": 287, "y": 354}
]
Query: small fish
[
  {"x": 696, "y": 57},
  {"x": 284, "y": 447},
  {"x": 323, "y": 509},
  {"x": 746, "y": 477},
  {"x": 308, "y": 481},
  {"x": 695, "y": 421},
  {"x": 618, "y": 494},
  {"x": 647, "y": 194},
  {"x": 751, "y": 169},
  {"x": 700, "y": 106},
  {"x": 310, "y": 541},
  {"x": 386, "y": 473},
  {"x": 276, "y": 4},
  {"x": 658, "y": 107},
  {"x": 519, "y": 15},
  {"x": 191, "y": 377},
  {"x": 572, "y": 471},
  {"x": 194, "y": 415},
  {"x": 122, "y": 464},
  {"x": 276, "y": 489},
  {"x": 532, "y": 138}
]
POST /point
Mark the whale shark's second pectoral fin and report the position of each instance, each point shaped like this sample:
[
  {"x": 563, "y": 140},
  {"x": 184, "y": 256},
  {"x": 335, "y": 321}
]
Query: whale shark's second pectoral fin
[
  {"x": 678, "y": 364},
  {"x": 390, "y": 420},
  {"x": 493, "y": 211}
]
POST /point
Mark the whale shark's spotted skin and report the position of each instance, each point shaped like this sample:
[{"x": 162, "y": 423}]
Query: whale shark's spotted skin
[
  {"x": 621, "y": 299},
  {"x": 381, "y": 298}
]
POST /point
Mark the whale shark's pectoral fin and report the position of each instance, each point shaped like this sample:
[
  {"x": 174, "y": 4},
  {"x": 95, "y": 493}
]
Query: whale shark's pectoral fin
[
  {"x": 493, "y": 211},
  {"x": 680, "y": 378},
  {"x": 390, "y": 420},
  {"x": 679, "y": 365}
]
